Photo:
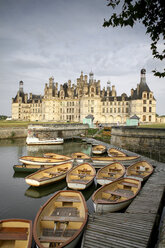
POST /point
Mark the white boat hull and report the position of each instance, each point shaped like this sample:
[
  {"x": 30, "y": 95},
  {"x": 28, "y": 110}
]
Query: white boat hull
[
  {"x": 135, "y": 177},
  {"x": 36, "y": 183},
  {"x": 43, "y": 163},
  {"x": 103, "y": 181},
  {"x": 36, "y": 141},
  {"x": 98, "y": 152},
  {"x": 104, "y": 208},
  {"x": 79, "y": 186}
]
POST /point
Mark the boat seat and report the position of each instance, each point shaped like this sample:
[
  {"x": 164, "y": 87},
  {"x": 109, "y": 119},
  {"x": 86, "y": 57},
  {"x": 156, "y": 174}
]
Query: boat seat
[
  {"x": 115, "y": 169},
  {"x": 53, "y": 239},
  {"x": 13, "y": 233},
  {"x": 62, "y": 218},
  {"x": 66, "y": 211},
  {"x": 79, "y": 181},
  {"x": 116, "y": 193},
  {"x": 112, "y": 173},
  {"x": 58, "y": 235},
  {"x": 129, "y": 184},
  {"x": 81, "y": 175},
  {"x": 67, "y": 199},
  {"x": 106, "y": 178},
  {"x": 84, "y": 170}
]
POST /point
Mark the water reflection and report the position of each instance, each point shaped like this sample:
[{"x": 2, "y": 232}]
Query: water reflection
[
  {"x": 20, "y": 174},
  {"x": 43, "y": 149},
  {"x": 38, "y": 192}
]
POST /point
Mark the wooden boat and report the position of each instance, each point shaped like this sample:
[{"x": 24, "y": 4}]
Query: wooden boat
[
  {"x": 81, "y": 176},
  {"x": 110, "y": 173},
  {"x": 37, "y": 141},
  {"x": 50, "y": 175},
  {"x": 107, "y": 160},
  {"x": 99, "y": 149},
  {"x": 80, "y": 157},
  {"x": 61, "y": 220},
  {"x": 27, "y": 168},
  {"x": 140, "y": 170},
  {"x": 57, "y": 156},
  {"x": 40, "y": 160},
  {"x": 15, "y": 233},
  {"x": 115, "y": 196},
  {"x": 113, "y": 152}
]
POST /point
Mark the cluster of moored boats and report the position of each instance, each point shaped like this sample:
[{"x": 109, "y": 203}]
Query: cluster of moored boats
[{"x": 61, "y": 220}]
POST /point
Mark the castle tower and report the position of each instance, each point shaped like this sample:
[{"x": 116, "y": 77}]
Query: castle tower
[
  {"x": 21, "y": 86},
  {"x": 143, "y": 76},
  {"x": 91, "y": 77}
]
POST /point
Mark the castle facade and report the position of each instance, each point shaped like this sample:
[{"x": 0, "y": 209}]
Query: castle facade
[{"x": 72, "y": 103}]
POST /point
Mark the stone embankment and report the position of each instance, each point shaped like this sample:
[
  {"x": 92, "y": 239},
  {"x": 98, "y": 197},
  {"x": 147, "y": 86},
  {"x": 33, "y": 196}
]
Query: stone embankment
[
  {"x": 137, "y": 139},
  {"x": 45, "y": 131},
  {"x": 13, "y": 132}
]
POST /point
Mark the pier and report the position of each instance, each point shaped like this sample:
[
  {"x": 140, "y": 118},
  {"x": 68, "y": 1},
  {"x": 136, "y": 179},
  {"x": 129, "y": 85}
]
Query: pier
[{"x": 138, "y": 226}]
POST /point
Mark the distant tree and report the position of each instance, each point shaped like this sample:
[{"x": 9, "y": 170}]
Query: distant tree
[
  {"x": 150, "y": 12},
  {"x": 3, "y": 117}
]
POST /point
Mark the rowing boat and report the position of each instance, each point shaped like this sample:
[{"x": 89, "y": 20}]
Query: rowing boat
[
  {"x": 113, "y": 152},
  {"x": 81, "y": 176},
  {"x": 107, "y": 160},
  {"x": 57, "y": 156},
  {"x": 61, "y": 220},
  {"x": 40, "y": 160},
  {"x": 27, "y": 168},
  {"x": 110, "y": 173},
  {"x": 50, "y": 175},
  {"x": 99, "y": 149},
  {"x": 80, "y": 157},
  {"x": 140, "y": 170},
  {"x": 115, "y": 196},
  {"x": 15, "y": 233}
]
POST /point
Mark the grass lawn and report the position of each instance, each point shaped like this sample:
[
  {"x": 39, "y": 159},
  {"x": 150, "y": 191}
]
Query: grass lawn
[
  {"x": 155, "y": 125},
  {"x": 4, "y": 123}
]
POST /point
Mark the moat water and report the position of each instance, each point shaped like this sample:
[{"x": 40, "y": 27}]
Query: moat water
[{"x": 18, "y": 199}]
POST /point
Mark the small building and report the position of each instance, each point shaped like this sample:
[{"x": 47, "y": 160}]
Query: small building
[
  {"x": 89, "y": 120},
  {"x": 133, "y": 121}
]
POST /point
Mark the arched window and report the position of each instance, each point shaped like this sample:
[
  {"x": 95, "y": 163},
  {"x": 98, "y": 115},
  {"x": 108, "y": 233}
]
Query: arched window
[
  {"x": 144, "y": 95},
  {"x": 150, "y": 118},
  {"x": 144, "y": 118},
  {"x": 92, "y": 89}
]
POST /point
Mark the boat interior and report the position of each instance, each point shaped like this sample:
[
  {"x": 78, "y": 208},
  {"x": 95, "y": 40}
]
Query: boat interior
[
  {"x": 113, "y": 172},
  {"x": 141, "y": 169},
  {"x": 51, "y": 172},
  {"x": 117, "y": 191},
  {"x": 114, "y": 152},
  {"x": 78, "y": 155},
  {"x": 98, "y": 148},
  {"x": 81, "y": 174},
  {"x": 14, "y": 234},
  {"x": 60, "y": 219}
]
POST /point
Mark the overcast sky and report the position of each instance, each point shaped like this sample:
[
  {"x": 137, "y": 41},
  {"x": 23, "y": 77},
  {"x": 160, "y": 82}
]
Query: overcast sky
[{"x": 61, "y": 38}]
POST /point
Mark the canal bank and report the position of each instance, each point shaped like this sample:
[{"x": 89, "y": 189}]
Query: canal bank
[
  {"x": 140, "y": 140},
  {"x": 44, "y": 131},
  {"x": 139, "y": 225}
]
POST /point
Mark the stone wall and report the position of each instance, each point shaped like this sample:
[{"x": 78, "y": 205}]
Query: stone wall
[
  {"x": 135, "y": 138},
  {"x": 47, "y": 131},
  {"x": 13, "y": 132}
]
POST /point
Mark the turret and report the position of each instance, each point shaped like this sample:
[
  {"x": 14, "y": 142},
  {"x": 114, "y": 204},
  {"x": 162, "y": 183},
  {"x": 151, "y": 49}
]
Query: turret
[
  {"x": 21, "y": 86},
  {"x": 143, "y": 76}
]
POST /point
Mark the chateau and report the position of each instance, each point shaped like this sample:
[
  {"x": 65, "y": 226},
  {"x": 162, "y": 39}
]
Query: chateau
[{"x": 74, "y": 102}]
